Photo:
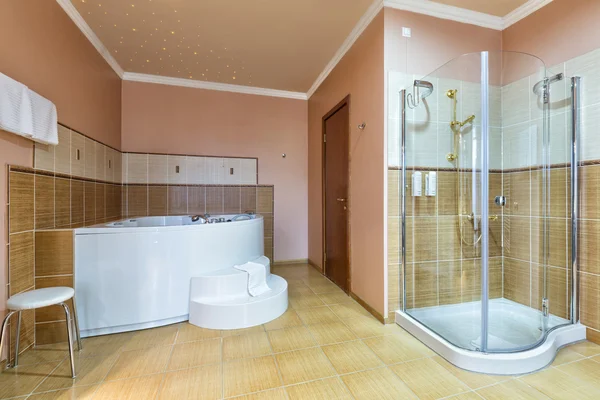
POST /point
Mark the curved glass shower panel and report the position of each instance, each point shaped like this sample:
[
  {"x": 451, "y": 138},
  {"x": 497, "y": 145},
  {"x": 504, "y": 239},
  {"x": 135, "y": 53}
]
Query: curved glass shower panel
[
  {"x": 480, "y": 227},
  {"x": 442, "y": 275}
]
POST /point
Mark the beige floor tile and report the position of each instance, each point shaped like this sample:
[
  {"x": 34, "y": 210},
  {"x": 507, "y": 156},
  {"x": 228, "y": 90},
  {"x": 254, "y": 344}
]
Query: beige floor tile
[
  {"x": 273, "y": 394},
  {"x": 471, "y": 379},
  {"x": 295, "y": 338},
  {"x": 195, "y": 354},
  {"x": 250, "y": 375},
  {"x": 44, "y": 354},
  {"x": 513, "y": 390},
  {"x": 303, "y": 365},
  {"x": 351, "y": 357},
  {"x": 295, "y": 288},
  {"x": 75, "y": 393},
  {"x": 393, "y": 349},
  {"x": 245, "y": 346},
  {"x": 330, "y": 389},
  {"x": 140, "y": 362},
  {"x": 335, "y": 298},
  {"x": 195, "y": 383},
  {"x": 331, "y": 333},
  {"x": 190, "y": 333},
  {"x": 22, "y": 380},
  {"x": 244, "y": 331},
  {"x": 145, "y": 387},
  {"x": 465, "y": 396},
  {"x": 302, "y": 301},
  {"x": 420, "y": 374},
  {"x": 554, "y": 383},
  {"x": 586, "y": 370},
  {"x": 287, "y": 320},
  {"x": 317, "y": 315},
  {"x": 152, "y": 338},
  {"x": 566, "y": 355},
  {"x": 586, "y": 348},
  {"x": 378, "y": 383},
  {"x": 320, "y": 284},
  {"x": 89, "y": 371},
  {"x": 103, "y": 346},
  {"x": 349, "y": 310},
  {"x": 367, "y": 326}
]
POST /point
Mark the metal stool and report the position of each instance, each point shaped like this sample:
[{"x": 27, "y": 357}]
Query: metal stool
[{"x": 37, "y": 299}]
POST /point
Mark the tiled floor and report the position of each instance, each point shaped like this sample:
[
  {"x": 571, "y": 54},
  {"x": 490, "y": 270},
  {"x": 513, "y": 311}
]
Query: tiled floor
[{"x": 325, "y": 346}]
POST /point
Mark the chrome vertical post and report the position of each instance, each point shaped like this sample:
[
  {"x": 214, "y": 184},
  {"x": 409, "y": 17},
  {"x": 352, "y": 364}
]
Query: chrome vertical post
[
  {"x": 575, "y": 129},
  {"x": 485, "y": 156},
  {"x": 403, "y": 192}
]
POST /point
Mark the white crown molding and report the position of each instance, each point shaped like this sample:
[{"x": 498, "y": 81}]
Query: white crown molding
[
  {"x": 360, "y": 26},
  {"x": 87, "y": 31},
  {"x": 444, "y": 11},
  {"x": 222, "y": 87},
  {"x": 523, "y": 11}
]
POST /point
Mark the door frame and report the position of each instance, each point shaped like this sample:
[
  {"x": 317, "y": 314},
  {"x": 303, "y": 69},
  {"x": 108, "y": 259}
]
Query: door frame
[{"x": 344, "y": 102}]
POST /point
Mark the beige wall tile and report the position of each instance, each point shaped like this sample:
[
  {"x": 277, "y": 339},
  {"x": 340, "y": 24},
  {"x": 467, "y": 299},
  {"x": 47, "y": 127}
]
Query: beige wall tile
[
  {"x": 232, "y": 200},
  {"x": 137, "y": 200},
  {"x": 157, "y": 200},
  {"x": 137, "y": 168},
  {"x": 62, "y": 151},
  {"x": 249, "y": 171},
  {"x": 196, "y": 200},
  {"x": 177, "y": 170},
  {"x": 264, "y": 199},
  {"x": 196, "y": 174},
  {"x": 158, "y": 169},
  {"x": 109, "y": 164},
  {"x": 44, "y": 156},
  {"x": 77, "y": 154},
  {"x": 100, "y": 201},
  {"x": 590, "y": 300},
  {"x": 214, "y": 200},
  {"x": 62, "y": 202},
  {"x": 233, "y": 171},
  {"x": 214, "y": 171},
  {"x": 90, "y": 158},
  {"x": 77, "y": 202},
  {"x": 177, "y": 202},
  {"x": 100, "y": 161}
]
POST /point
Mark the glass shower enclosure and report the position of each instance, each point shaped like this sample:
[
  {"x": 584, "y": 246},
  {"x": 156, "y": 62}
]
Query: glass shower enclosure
[{"x": 486, "y": 204}]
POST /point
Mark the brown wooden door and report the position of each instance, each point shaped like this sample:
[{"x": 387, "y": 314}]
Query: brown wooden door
[{"x": 335, "y": 190}]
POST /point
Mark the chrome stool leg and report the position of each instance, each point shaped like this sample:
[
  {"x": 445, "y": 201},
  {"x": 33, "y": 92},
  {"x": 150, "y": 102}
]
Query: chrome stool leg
[
  {"x": 18, "y": 340},
  {"x": 70, "y": 335},
  {"x": 3, "y": 329},
  {"x": 76, "y": 323}
]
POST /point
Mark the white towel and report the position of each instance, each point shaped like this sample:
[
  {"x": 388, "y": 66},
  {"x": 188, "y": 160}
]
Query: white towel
[
  {"x": 26, "y": 113},
  {"x": 257, "y": 278}
]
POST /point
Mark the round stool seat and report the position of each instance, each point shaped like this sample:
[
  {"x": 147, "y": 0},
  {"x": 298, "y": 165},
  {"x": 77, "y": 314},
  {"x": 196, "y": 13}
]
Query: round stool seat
[{"x": 40, "y": 298}]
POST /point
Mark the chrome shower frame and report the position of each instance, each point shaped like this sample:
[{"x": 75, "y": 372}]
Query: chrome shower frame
[{"x": 407, "y": 100}]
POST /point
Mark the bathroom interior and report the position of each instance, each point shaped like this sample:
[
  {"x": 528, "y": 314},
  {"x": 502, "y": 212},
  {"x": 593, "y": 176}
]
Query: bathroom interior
[{"x": 209, "y": 200}]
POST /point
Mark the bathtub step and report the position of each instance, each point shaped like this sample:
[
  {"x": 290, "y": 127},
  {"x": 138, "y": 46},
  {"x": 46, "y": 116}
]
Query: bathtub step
[
  {"x": 243, "y": 311},
  {"x": 224, "y": 284}
]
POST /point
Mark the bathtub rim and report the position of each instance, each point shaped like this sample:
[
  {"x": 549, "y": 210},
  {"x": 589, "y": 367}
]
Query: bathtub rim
[{"x": 106, "y": 229}]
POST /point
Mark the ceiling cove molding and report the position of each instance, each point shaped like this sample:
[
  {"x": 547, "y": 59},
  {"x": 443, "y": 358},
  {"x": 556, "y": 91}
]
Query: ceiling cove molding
[
  {"x": 359, "y": 28},
  {"x": 90, "y": 35},
  {"x": 523, "y": 11},
  {"x": 445, "y": 11},
  {"x": 222, "y": 87}
]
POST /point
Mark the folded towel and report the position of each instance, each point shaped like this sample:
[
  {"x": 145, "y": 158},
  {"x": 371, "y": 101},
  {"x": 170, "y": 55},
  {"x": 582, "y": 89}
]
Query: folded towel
[
  {"x": 257, "y": 278},
  {"x": 26, "y": 113}
]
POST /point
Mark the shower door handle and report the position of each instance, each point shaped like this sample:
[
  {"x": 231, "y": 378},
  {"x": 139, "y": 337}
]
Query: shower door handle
[{"x": 341, "y": 200}]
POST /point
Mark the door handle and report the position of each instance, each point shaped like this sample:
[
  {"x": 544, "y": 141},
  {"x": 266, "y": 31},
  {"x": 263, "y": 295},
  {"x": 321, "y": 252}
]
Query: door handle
[{"x": 341, "y": 200}]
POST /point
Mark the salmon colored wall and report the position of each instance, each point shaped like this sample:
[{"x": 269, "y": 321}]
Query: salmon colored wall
[
  {"x": 360, "y": 74},
  {"x": 557, "y": 32},
  {"x": 434, "y": 41},
  {"x": 41, "y": 47},
  {"x": 178, "y": 120}
]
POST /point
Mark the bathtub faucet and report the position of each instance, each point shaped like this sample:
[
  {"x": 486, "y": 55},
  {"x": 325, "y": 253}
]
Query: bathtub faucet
[{"x": 205, "y": 218}]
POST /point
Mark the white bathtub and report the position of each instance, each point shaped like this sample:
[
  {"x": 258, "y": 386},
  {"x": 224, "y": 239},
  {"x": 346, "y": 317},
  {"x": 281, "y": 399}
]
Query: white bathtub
[{"x": 135, "y": 273}]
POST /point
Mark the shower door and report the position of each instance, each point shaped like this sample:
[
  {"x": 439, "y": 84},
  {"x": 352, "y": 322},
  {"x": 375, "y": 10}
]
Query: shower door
[{"x": 476, "y": 211}]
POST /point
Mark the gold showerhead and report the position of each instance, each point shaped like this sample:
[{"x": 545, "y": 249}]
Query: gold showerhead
[{"x": 451, "y": 93}]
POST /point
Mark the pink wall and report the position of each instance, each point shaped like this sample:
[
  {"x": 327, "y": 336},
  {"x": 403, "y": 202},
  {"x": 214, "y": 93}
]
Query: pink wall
[
  {"x": 178, "y": 120},
  {"x": 41, "y": 47},
  {"x": 559, "y": 31},
  {"x": 360, "y": 73}
]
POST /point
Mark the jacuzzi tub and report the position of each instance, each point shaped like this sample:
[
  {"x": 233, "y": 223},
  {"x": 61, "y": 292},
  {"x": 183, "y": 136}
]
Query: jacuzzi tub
[{"x": 135, "y": 273}]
